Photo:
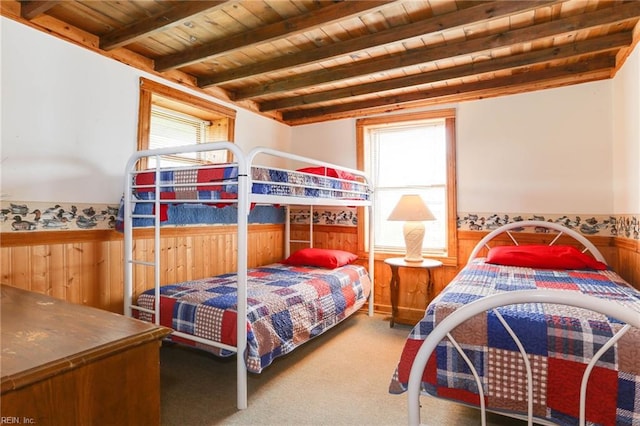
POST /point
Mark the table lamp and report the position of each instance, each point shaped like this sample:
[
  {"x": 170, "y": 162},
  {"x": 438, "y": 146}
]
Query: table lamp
[{"x": 413, "y": 211}]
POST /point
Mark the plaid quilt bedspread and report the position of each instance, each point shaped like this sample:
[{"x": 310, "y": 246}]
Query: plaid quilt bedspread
[
  {"x": 559, "y": 341},
  {"x": 200, "y": 184},
  {"x": 287, "y": 306},
  {"x": 220, "y": 184},
  {"x": 265, "y": 181}
]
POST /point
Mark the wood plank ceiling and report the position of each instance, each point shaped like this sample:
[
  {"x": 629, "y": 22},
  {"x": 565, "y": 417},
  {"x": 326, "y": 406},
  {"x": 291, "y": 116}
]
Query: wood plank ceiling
[{"x": 304, "y": 61}]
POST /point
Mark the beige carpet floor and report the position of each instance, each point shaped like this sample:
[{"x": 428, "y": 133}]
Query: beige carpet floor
[{"x": 339, "y": 378}]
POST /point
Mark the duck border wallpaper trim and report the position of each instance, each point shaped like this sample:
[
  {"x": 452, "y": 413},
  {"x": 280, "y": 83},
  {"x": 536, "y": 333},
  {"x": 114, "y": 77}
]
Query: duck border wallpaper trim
[
  {"x": 625, "y": 226},
  {"x": 24, "y": 216},
  {"x": 20, "y": 216}
]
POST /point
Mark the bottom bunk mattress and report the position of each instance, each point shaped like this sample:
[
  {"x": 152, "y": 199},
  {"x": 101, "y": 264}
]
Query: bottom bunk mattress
[
  {"x": 559, "y": 340},
  {"x": 286, "y": 306}
]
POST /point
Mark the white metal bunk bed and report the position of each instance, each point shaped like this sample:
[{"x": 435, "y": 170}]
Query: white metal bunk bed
[
  {"x": 602, "y": 334},
  {"x": 243, "y": 184}
]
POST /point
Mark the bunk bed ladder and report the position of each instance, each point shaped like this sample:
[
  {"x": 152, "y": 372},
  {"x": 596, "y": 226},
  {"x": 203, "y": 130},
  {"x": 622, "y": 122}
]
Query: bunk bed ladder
[
  {"x": 130, "y": 261},
  {"x": 287, "y": 231}
]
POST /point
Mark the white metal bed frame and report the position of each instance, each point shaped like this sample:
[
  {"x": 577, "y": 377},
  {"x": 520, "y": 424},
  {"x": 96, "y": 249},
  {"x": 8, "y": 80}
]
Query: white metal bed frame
[
  {"x": 628, "y": 316},
  {"x": 244, "y": 200}
]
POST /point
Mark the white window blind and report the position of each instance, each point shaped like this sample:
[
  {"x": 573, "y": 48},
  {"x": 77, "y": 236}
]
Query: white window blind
[{"x": 171, "y": 128}]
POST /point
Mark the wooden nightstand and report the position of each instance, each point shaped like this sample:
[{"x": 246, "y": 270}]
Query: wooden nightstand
[{"x": 398, "y": 262}]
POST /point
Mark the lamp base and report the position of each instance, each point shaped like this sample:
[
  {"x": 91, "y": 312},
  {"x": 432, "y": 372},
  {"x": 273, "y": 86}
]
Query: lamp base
[
  {"x": 413, "y": 236},
  {"x": 413, "y": 260}
]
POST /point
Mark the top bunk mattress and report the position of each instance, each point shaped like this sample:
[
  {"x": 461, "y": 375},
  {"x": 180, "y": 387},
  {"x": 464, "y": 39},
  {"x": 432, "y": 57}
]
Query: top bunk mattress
[{"x": 221, "y": 183}]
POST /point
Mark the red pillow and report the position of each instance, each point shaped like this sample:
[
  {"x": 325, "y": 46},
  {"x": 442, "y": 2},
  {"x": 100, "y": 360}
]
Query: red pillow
[
  {"x": 323, "y": 258},
  {"x": 543, "y": 257},
  {"x": 327, "y": 171}
]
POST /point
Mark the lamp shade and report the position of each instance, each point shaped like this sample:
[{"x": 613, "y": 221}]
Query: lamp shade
[{"x": 411, "y": 208}]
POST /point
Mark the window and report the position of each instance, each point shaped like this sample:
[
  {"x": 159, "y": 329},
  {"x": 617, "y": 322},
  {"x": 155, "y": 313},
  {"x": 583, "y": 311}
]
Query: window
[
  {"x": 171, "y": 128},
  {"x": 411, "y": 154},
  {"x": 169, "y": 117}
]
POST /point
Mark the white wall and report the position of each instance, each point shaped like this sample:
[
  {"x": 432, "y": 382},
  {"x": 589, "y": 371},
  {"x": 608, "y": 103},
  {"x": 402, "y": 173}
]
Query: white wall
[
  {"x": 541, "y": 152},
  {"x": 626, "y": 137},
  {"x": 254, "y": 130},
  {"x": 332, "y": 141},
  {"x": 69, "y": 120}
]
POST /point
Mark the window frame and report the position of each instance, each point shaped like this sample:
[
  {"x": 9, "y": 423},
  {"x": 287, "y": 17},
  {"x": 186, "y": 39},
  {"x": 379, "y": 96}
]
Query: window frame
[
  {"x": 449, "y": 116},
  {"x": 153, "y": 93}
]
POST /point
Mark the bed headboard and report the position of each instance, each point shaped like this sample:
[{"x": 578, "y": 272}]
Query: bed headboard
[{"x": 538, "y": 226}]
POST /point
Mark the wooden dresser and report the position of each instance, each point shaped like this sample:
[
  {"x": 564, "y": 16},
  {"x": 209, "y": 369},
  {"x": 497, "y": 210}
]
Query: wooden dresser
[{"x": 67, "y": 364}]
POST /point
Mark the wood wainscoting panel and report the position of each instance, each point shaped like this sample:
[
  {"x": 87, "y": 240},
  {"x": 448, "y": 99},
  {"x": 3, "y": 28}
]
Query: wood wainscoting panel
[
  {"x": 627, "y": 262},
  {"x": 88, "y": 268},
  {"x": 326, "y": 236}
]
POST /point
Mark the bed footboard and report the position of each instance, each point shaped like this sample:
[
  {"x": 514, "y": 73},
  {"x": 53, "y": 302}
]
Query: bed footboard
[{"x": 628, "y": 318}]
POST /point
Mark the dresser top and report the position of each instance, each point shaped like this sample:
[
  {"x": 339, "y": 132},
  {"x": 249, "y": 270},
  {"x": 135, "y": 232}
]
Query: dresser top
[{"x": 42, "y": 336}]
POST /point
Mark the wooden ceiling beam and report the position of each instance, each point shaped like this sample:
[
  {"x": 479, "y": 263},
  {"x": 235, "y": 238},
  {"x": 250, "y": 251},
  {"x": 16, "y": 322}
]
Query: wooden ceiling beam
[
  {"x": 611, "y": 15},
  {"x": 574, "y": 50},
  {"x": 548, "y": 55},
  {"x": 474, "y": 14},
  {"x": 34, "y": 8},
  {"x": 156, "y": 23},
  {"x": 597, "y": 68},
  {"x": 284, "y": 28}
]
